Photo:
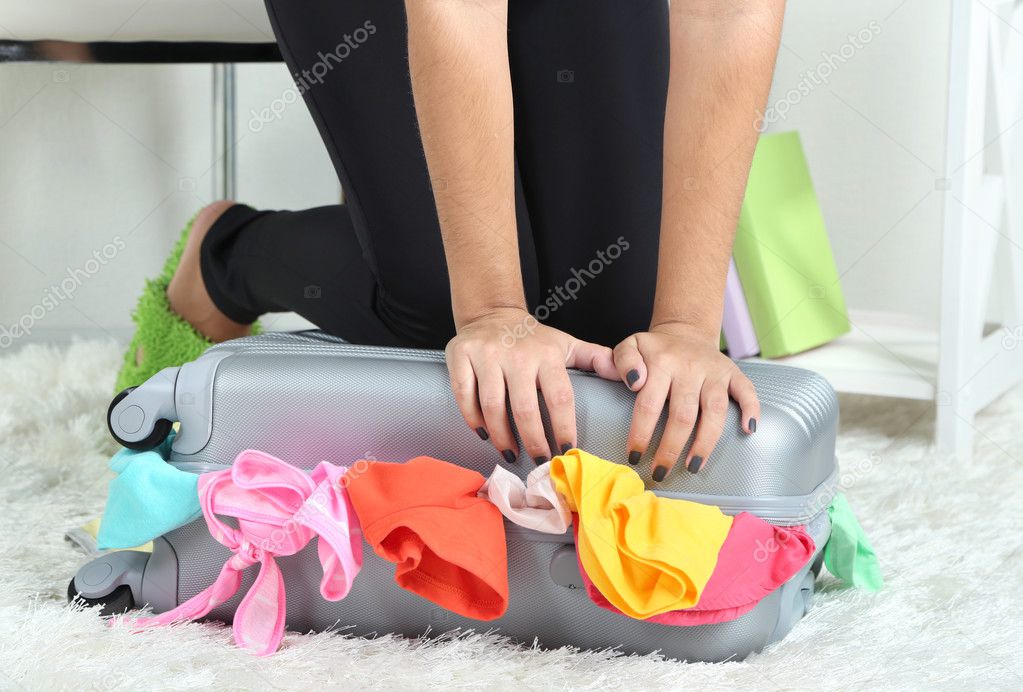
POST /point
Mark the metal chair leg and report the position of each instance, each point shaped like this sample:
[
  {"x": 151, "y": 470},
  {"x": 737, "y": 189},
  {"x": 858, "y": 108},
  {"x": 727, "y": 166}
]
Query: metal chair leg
[{"x": 225, "y": 170}]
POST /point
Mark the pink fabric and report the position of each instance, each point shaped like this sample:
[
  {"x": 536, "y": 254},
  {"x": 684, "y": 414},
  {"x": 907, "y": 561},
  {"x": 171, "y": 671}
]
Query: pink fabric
[
  {"x": 755, "y": 559},
  {"x": 534, "y": 504},
  {"x": 279, "y": 509}
]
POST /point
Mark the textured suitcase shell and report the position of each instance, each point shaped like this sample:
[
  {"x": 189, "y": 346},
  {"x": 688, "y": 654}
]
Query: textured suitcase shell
[{"x": 307, "y": 397}]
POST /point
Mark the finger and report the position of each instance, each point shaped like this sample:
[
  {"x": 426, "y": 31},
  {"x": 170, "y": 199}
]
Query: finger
[
  {"x": 591, "y": 357},
  {"x": 629, "y": 363},
  {"x": 683, "y": 407},
  {"x": 557, "y": 394},
  {"x": 525, "y": 407},
  {"x": 646, "y": 412},
  {"x": 463, "y": 385},
  {"x": 495, "y": 412},
  {"x": 713, "y": 409},
  {"x": 745, "y": 394}
]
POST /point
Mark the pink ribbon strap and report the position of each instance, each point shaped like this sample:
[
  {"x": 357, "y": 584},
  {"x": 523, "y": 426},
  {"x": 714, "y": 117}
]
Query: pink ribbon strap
[{"x": 279, "y": 510}]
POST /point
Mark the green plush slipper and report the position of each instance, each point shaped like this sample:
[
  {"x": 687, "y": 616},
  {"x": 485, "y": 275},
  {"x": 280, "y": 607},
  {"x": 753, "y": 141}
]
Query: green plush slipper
[{"x": 164, "y": 337}]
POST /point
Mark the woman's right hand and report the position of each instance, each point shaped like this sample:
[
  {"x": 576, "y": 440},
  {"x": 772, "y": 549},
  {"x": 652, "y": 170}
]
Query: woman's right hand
[{"x": 507, "y": 352}]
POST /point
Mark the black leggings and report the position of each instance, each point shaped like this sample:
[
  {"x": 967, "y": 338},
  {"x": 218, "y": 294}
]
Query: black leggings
[{"x": 589, "y": 79}]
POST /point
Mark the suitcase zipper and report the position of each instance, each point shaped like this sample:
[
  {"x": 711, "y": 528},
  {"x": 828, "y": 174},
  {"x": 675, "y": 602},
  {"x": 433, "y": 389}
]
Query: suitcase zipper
[{"x": 778, "y": 510}]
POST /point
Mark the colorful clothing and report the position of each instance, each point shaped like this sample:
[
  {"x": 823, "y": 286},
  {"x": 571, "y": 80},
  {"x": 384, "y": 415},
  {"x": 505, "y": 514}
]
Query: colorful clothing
[
  {"x": 148, "y": 498},
  {"x": 279, "y": 510},
  {"x": 646, "y": 554},
  {"x": 534, "y": 504},
  {"x": 755, "y": 559},
  {"x": 848, "y": 554},
  {"x": 448, "y": 544}
]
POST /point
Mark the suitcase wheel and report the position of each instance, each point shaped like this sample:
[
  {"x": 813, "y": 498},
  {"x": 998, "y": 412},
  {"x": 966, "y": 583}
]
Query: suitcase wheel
[
  {"x": 117, "y": 601},
  {"x": 160, "y": 432}
]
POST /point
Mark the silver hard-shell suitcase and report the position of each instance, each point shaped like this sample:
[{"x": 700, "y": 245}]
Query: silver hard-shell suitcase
[{"x": 307, "y": 397}]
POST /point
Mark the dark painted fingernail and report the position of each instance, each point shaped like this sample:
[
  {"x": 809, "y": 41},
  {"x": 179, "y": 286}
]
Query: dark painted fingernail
[
  {"x": 752, "y": 425},
  {"x": 565, "y": 447},
  {"x": 695, "y": 463},
  {"x": 482, "y": 432},
  {"x": 509, "y": 456},
  {"x": 631, "y": 377},
  {"x": 539, "y": 461},
  {"x": 660, "y": 472},
  {"x": 634, "y": 457}
]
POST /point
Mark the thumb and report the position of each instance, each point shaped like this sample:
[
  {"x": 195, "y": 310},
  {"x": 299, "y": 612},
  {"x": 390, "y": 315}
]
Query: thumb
[
  {"x": 629, "y": 364},
  {"x": 584, "y": 355}
]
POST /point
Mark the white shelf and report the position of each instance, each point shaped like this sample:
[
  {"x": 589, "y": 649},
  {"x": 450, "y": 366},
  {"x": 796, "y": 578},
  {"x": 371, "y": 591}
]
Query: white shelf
[{"x": 884, "y": 354}]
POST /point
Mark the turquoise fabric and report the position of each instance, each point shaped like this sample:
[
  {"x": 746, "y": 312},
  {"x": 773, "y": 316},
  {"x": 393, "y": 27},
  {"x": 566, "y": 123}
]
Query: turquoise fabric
[
  {"x": 148, "y": 498},
  {"x": 848, "y": 554}
]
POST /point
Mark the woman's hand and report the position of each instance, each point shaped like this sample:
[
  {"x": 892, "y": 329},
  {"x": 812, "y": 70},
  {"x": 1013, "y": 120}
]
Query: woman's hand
[
  {"x": 681, "y": 364},
  {"x": 508, "y": 352}
]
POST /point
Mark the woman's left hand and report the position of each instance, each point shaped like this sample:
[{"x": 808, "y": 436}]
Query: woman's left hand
[{"x": 683, "y": 366}]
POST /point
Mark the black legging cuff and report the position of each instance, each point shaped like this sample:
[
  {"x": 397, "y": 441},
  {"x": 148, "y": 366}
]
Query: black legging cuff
[{"x": 216, "y": 246}]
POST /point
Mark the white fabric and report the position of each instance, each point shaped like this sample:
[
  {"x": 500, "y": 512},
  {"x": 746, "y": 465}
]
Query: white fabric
[
  {"x": 534, "y": 504},
  {"x": 240, "y": 21}
]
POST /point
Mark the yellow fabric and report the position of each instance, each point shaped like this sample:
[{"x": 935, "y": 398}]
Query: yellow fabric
[
  {"x": 647, "y": 554},
  {"x": 91, "y": 527}
]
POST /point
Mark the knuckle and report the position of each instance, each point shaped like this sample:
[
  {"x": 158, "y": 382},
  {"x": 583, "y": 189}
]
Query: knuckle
[
  {"x": 463, "y": 386},
  {"x": 717, "y": 404},
  {"x": 561, "y": 397},
  {"x": 667, "y": 455},
  {"x": 492, "y": 404},
  {"x": 518, "y": 356},
  {"x": 551, "y": 352},
  {"x": 525, "y": 409},
  {"x": 649, "y": 407},
  {"x": 683, "y": 416}
]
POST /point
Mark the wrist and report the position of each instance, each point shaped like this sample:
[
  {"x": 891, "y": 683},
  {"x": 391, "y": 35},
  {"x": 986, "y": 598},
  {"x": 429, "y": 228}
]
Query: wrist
[
  {"x": 492, "y": 310},
  {"x": 687, "y": 329}
]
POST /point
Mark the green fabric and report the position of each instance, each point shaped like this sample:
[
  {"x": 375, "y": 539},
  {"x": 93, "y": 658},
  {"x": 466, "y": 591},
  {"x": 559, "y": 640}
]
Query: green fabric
[
  {"x": 783, "y": 255},
  {"x": 848, "y": 554},
  {"x": 164, "y": 337}
]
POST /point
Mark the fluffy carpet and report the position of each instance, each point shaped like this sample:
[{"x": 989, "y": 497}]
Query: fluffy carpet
[{"x": 947, "y": 534}]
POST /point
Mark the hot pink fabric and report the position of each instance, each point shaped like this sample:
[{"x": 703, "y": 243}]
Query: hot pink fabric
[
  {"x": 755, "y": 559},
  {"x": 279, "y": 509}
]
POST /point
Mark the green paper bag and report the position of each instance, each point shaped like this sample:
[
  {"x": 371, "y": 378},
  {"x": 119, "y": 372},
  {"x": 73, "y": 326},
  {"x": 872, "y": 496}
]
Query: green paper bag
[{"x": 783, "y": 255}]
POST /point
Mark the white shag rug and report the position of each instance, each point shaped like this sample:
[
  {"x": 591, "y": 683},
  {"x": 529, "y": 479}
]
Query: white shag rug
[{"x": 947, "y": 533}]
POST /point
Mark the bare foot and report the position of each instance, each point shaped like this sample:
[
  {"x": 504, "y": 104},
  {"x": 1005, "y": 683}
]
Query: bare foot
[{"x": 187, "y": 292}]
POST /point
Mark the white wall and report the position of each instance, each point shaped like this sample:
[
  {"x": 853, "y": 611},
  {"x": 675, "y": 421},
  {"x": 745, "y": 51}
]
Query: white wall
[
  {"x": 116, "y": 159},
  {"x": 874, "y": 137},
  {"x": 93, "y": 154}
]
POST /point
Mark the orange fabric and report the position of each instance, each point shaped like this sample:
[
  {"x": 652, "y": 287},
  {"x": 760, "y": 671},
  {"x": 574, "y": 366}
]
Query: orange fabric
[{"x": 448, "y": 545}]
